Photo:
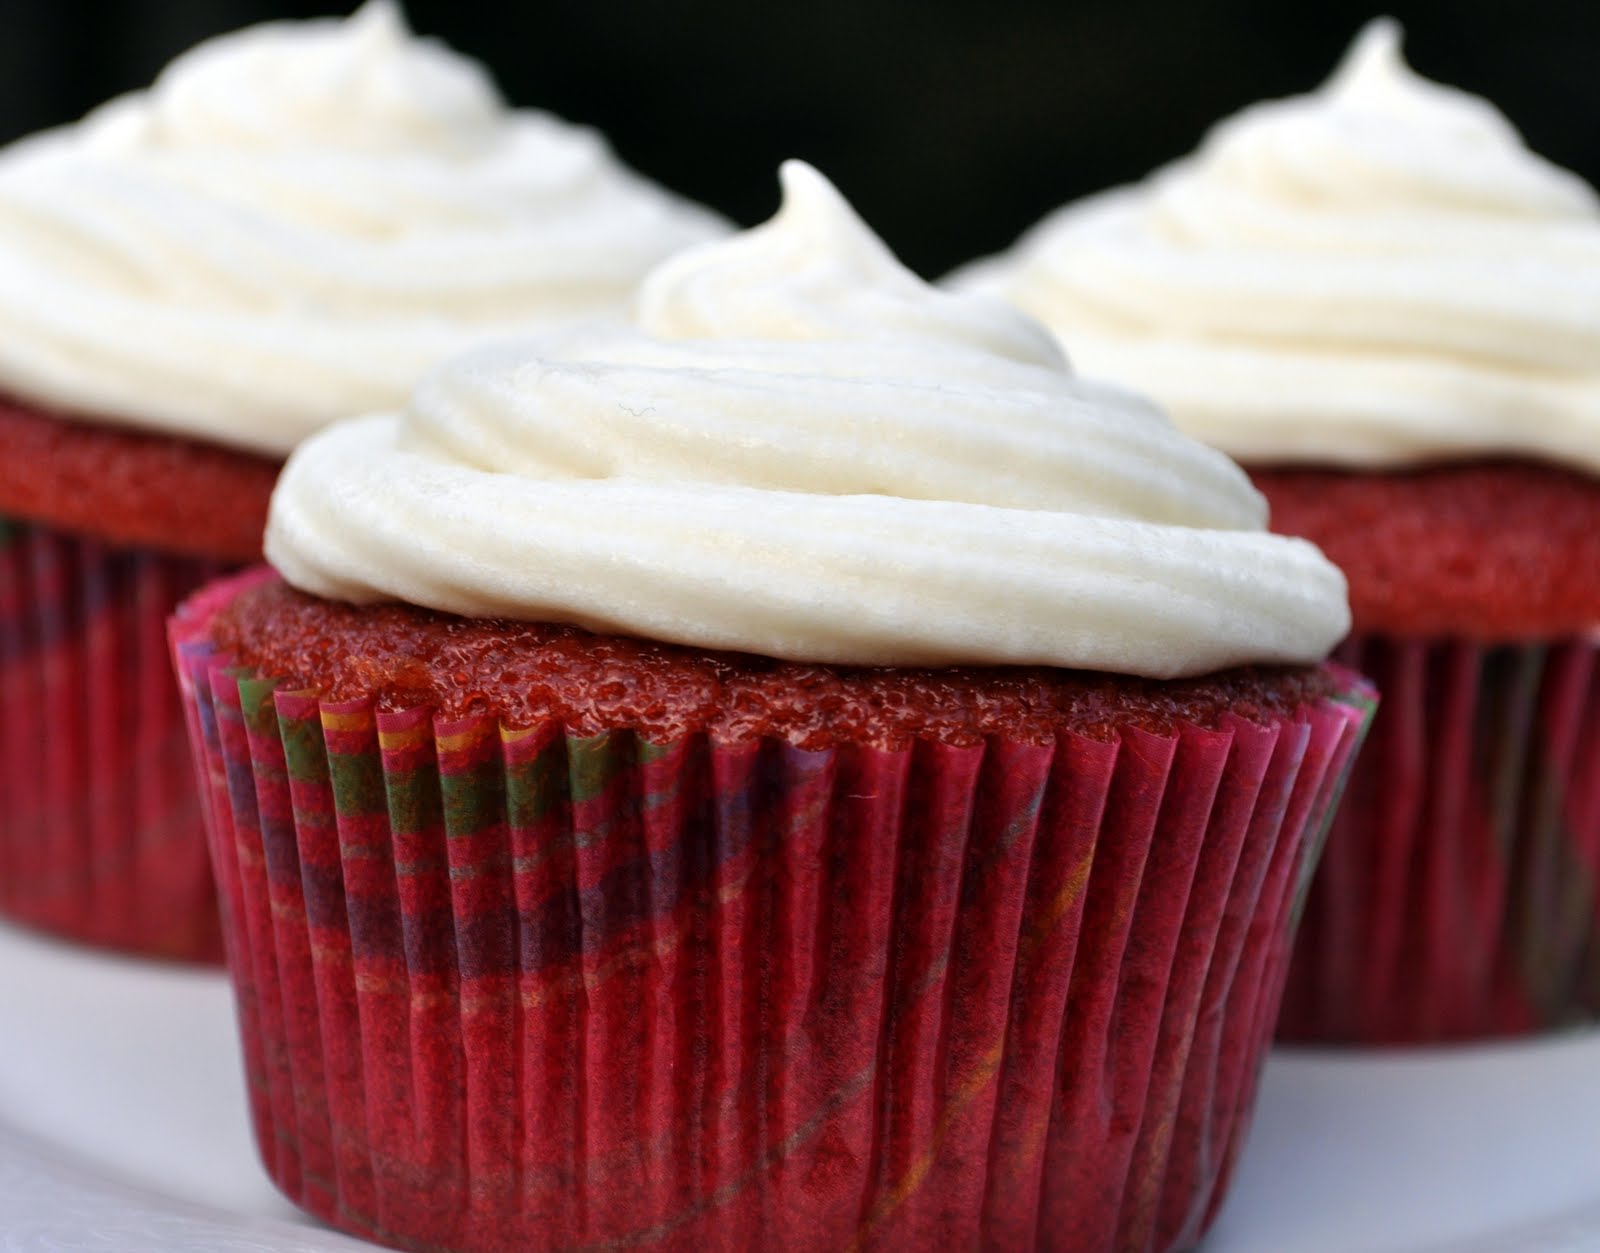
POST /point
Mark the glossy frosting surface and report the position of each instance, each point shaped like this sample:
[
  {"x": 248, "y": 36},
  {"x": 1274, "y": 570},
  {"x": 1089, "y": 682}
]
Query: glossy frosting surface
[
  {"x": 1374, "y": 274},
  {"x": 297, "y": 220},
  {"x": 798, "y": 449}
]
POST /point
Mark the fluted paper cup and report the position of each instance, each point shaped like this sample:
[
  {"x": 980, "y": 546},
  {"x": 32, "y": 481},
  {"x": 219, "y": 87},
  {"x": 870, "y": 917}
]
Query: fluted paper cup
[
  {"x": 511, "y": 989},
  {"x": 101, "y": 838},
  {"x": 1460, "y": 895}
]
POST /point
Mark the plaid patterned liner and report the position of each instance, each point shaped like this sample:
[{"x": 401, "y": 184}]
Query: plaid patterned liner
[
  {"x": 512, "y": 989},
  {"x": 1460, "y": 896},
  {"x": 101, "y": 838}
]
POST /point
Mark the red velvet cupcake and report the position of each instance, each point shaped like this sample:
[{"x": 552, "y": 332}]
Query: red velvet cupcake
[
  {"x": 801, "y": 771},
  {"x": 100, "y": 829},
  {"x": 1457, "y": 899},
  {"x": 290, "y": 226},
  {"x": 1388, "y": 309}
]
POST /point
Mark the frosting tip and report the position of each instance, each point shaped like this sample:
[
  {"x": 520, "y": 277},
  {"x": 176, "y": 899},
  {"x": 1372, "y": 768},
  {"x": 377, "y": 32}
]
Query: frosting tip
[
  {"x": 381, "y": 20},
  {"x": 1375, "y": 55},
  {"x": 801, "y": 182},
  {"x": 811, "y": 205}
]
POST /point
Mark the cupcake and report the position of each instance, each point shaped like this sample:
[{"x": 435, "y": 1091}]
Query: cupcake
[
  {"x": 291, "y": 225},
  {"x": 1388, "y": 309},
  {"x": 798, "y": 769}
]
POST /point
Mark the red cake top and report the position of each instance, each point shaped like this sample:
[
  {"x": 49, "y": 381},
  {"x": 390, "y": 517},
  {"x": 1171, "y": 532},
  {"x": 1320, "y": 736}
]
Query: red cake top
[
  {"x": 1484, "y": 550},
  {"x": 133, "y": 487},
  {"x": 525, "y": 673}
]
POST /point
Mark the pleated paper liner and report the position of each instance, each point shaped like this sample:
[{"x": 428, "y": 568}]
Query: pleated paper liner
[
  {"x": 518, "y": 990},
  {"x": 1460, "y": 895},
  {"x": 101, "y": 837}
]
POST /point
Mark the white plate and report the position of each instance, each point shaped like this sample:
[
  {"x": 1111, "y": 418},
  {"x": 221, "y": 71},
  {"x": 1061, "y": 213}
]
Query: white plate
[{"x": 123, "y": 1130}]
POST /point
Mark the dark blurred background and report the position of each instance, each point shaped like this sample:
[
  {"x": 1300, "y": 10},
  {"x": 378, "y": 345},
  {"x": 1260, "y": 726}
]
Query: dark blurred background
[{"x": 952, "y": 124}]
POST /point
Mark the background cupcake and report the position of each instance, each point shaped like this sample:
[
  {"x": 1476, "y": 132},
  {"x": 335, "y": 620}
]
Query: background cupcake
[
  {"x": 290, "y": 225},
  {"x": 801, "y": 768},
  {"x": 1387, "y": 307},
  {"x": 1056, "y": 101}
]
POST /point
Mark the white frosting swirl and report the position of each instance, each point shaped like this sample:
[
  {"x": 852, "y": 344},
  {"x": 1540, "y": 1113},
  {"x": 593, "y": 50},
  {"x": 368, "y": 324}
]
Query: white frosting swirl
[
  {"x": 800, "y": 449},
  {"x": 1378, "y": 273},
  {"x": 294, "y": 223}
]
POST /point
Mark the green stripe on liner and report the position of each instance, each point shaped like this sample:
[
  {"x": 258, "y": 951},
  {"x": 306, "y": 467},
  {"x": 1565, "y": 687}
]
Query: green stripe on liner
[
  {"x": 533, "y": 788},
  {"x": 255, "y": 702},
  {"x": 8, "y": 532},
  {"x": 305, "y": 752},
  {"x": 413, "y": 796},
  {"x": 357, "y": 780},
  {"x": 473, "y": 799},
  {"x": 593, "y": 763},
  {"x": 649, "y": 752}
]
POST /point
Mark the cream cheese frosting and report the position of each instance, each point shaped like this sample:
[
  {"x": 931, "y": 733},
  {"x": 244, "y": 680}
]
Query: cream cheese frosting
[
  {"x": 798, "y": 448},
  {"x": 1375, "y": 274},
  {"x": 297, "y": 220}
]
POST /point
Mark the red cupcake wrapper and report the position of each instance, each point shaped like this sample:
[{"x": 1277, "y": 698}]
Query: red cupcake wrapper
[
  {"x": 515, "y": 989},
  {"x": 101, "y": 836},
  {"x": 1460, "y": 895}
]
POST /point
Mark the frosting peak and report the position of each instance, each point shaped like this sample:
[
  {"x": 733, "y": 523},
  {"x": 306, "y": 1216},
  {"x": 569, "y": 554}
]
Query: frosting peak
[
  {"x": 1411, "y": 139},
  {"x": 1374, "y": 75},
  {"x": 817, "y": 272},
  {"x": 1375, "y": 273},
  {"x": 799, "y": 449},
  {"x": 294, "y": 223},
  {"x": 1375, "y": 84},
  {"x": 365, "y": 83}
]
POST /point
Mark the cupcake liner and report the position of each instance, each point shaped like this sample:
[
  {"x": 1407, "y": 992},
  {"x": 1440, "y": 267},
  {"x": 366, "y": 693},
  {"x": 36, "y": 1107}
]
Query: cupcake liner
[
  {"x": 101, "y": 836},
  {"x": 1460, "y": 895},
  {"x": 517, "y": 989}
]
